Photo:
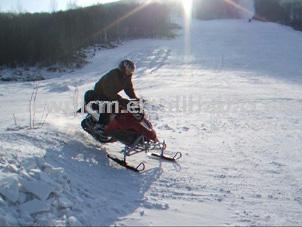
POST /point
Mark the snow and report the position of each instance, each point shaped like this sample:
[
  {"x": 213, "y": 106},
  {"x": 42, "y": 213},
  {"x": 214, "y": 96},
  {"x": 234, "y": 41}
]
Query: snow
[
  {"x": 241, "y": 138},
  {"x": 65, "y": 203},
  {"x": 38, "y": 188},
  {"x": 34, "y": 206},
  {"x": 9, "y": 186}
]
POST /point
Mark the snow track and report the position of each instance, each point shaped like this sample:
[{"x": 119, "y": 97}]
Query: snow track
[{"x": 241, "y": 138}]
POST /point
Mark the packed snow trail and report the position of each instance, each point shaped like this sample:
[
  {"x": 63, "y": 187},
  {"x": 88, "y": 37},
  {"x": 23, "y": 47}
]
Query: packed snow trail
[{"x": 233, "y": 108}]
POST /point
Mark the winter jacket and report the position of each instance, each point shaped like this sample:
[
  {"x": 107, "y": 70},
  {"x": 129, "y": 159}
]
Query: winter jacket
[{"x": 112, "y": 83}]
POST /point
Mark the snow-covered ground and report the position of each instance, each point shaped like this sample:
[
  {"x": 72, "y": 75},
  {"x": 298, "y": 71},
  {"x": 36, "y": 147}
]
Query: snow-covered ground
[{"x": 233, "y": 108}]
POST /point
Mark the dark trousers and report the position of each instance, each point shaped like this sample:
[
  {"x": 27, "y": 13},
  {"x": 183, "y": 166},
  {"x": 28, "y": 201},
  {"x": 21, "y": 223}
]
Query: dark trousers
[{"x": 91, "y": 96}]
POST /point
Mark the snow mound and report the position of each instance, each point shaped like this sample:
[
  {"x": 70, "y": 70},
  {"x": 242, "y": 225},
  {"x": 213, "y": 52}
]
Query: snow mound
[
  {"x": 30, "y": 191},
  {"x": 9, "y": 186}
]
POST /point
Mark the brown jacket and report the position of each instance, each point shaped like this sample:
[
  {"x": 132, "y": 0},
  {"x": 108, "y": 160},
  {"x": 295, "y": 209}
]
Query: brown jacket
[{"x": 112, "y": 83}]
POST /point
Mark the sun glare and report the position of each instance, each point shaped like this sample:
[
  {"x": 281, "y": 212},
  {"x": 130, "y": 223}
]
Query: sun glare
[{"x": 187, "y": 6}]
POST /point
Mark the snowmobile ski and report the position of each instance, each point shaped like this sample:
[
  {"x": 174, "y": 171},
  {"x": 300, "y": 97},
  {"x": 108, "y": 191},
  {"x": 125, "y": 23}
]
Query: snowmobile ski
[
  {"x": 141, "y": 167},
  {"x": 177, "y": 156}
]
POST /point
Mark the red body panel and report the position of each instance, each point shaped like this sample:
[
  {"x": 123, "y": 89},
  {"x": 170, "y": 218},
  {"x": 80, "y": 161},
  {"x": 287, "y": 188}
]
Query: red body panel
[{"x": 124, "y": 122}]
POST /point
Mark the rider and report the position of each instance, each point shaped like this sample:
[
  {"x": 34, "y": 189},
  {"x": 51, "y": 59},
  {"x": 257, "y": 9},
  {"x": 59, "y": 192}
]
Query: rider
[{"x": 108, "y": 87}]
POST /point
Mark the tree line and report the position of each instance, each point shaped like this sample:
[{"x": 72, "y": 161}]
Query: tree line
[
  {"x": 48, "y": 38},
  {"x": 287, "y": 12}
]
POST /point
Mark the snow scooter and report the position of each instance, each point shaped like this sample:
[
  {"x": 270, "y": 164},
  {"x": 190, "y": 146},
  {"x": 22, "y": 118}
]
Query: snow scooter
[{"x": 135, "y": 132}]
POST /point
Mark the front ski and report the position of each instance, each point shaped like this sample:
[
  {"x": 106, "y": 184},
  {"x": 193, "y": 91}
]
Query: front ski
[
  {"x": 177, "y": 156},
  {"x": 138, "y": 169}
]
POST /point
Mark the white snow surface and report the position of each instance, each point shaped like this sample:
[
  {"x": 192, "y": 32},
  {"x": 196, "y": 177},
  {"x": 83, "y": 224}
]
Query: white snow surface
[{"x": 241, "y": 144}]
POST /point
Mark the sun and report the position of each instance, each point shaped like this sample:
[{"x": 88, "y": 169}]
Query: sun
[{"x": 187, "y": 6}]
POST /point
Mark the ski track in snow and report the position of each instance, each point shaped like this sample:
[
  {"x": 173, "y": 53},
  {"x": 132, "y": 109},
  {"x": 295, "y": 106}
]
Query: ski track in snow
[{"x": 241, "y": 150}]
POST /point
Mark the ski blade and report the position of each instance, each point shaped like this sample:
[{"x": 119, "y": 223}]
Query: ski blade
[
  {"x": 138, "y": 169},
  {"x": 168, "y": 158},
  {"x": 163, "y": 157}
]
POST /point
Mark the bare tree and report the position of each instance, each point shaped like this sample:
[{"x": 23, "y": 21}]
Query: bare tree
[
  {"x": 71, "y": 4},
  {"x": 75, "y": 100},
  {"x": 19, "y": 6},
  {"x": 53, "y": 5},
  {"x": 32, "y": 106}
]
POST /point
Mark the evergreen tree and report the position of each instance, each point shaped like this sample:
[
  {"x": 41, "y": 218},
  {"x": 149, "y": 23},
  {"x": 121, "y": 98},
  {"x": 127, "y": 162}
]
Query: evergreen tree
[
  {"x": 57, "y": 37},
  {"x": 282, "y": 11},
  {"x": 215, "y": 9}
]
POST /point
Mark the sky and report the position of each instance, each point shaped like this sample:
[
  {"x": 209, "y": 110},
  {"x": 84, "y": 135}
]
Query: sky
[{"x": 43, "y": 5}]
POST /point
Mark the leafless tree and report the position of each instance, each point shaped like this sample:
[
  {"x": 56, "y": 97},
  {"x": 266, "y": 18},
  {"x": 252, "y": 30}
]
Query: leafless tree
[
  {"x": 15, "y": 120},
  {"x": 75, "y": 100},
  {"x": 32, "y": 107},
  {"x": 19, "y": 6},
  {"x": 72, "y": 4},
  {"x": 53, "y": 5}
]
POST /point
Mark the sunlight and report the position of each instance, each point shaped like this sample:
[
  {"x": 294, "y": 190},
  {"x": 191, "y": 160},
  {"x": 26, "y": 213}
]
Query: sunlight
[
  {"x": 187, "y": 6},
  {"x": 241, "y": 8},
  {"x": 187, "y": 9}
]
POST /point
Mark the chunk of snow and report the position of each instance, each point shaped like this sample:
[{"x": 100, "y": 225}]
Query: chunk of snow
[
  {"x": 29, "y": 164},
  {"x": 7, "y": 219},
  {"x": 59, "y": 223},
  {"x": 45, "y": 219},
  {"x": 36, "y": 173},
  {"x": 46, "y": 167},
  {"x": 65, "y": 203},
  {"x": 38, "y": 188},
  {"x": 58, "y": 188},
  {"x": 3, "y": 220},
  {"x": 33, "y": 207},
  {"x": 73, "y": 221},
  {"x": 54, "y": 170},
  {"x": 12, "y": 168},
  {"x": 24, "y": 174},
  {"x": 9, "y": 186},
  {"x": 22, "y": 197},
  {"x": 25, "y": 219},
  {"x": 2, "y": 202}
]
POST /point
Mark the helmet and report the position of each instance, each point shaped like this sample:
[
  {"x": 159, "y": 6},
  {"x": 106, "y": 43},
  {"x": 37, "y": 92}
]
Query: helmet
[{"x": 127, "y": 67}]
